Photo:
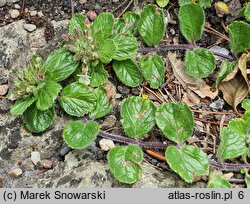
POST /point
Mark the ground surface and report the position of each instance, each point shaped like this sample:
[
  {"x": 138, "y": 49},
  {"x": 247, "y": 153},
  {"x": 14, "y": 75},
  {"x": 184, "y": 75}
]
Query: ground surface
[{"x": 88, "y": 168}]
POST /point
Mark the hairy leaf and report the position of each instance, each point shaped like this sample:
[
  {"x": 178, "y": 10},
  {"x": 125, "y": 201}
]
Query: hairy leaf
[
  {"x": 216, "y": 180},
  {"x": 183, "y": 2},
  {"x": 225, "y": 69},
  {"x": 37, "y": 121},
  {"x": 128, "y": 72},
  {"x": 153, "y": 70},
  {"x": 126, "y": 46},
  {"x": 21, "y": 105},
  {"x": 98, "y": 75},
  {"x": 205, "y": 3},
  {"x": 124, "y": 163},
  {"x": 103, "y": 104},
  {"x": 192, "y": 19},
  {"x": 77, "y": 99},
  {"x": 238, "y": 30},
  {"x": 200, "y": 62},
  {"x": 46, "y": 95},
  {"x": 106, "y": 51},
  {"x": 137, "y": 116},
  {"x": 60, "y": 65},
  {"x": 152, "y": 25},
  {"x": 188, "y": 162},
  {"x": 162, "y": 3},
  {"x": 232, "y": 144},
  {"x": 76, "y": 22},
  {"x": 246, "y": 104},
  {"x": 102, "y": 26},
  {"x": 247, "y": 12},
  {"x": 128, "y": 24},
  {"x": 175, "y": 120},
  {"x": 79, "y": 135}
]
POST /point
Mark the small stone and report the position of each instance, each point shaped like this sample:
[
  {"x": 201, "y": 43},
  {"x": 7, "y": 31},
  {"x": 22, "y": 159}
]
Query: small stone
[
  {"x": 2, "y": 3},
  {"x": 40, "y": 14},
  {"x": 14, "y": 13},
  {"x": 29, "y": 27},
  {"x": 217, "y": 105},
  {"x": 82, "y": 1},
  {"x": 16, "y": 172},
  {"x": 17, "y": 6},
  {"x": 1, "y": 182},
  {"x": 106, "y": 144},
  {"x": 46, "y": 164},
  {"x": 3, "y": 89},
  {"x": 35, "y": 157},
  {"x": 64, "y": 151},
  {"x": 109, "y": 122},
  {"x": 12, "y": 1},
  {"x": 123, "y": 89},
  {"x": 91, "y": 15},
  {"x": 33, "y": 13}
]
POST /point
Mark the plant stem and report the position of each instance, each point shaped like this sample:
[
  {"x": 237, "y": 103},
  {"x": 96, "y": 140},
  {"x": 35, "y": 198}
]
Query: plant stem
[
  {"x": 166, "y": 48},
  {"x": 118, "y": 138}
]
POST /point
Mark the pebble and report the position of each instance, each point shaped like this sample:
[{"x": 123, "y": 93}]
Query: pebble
[
  {"x": 29, "y": 27},
  {"x": 64, "y": 151},
  {"x": 16, "y": 172},
  {"x": 3, "y": 89},
  {"x": 106, "y": 144},
  {"x": 82, "y": 1},
  {"x": 2, "y": 3},
  {"x": 217, "y": 105},
  {"x": 109, "y": 122},
  {"x": 17, "y": 6},
  {"x": 47, "y": 164},
  {"x": 33, "y": 13},
  {"x": 123, "y": 89},
  {"x": 40, "y": 14},
  {"x": 91, "y": 15},
  {"x": 35, "y": 157},
  {"x": 14, "y": 13},
  {"x": 1, "y": 182},
  {"x": 13, "y": 1}
]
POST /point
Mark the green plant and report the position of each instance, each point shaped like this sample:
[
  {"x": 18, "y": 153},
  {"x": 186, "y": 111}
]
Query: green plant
[{"x": 83, "y": 57}]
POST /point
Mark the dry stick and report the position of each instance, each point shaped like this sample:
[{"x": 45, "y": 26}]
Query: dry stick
[
  {"x": 208, "y": 121},
  {"x": 125, "y": 8},
  {"x": 179, "y": 47},
  {"x": 213, "y": 31},
  {"x": 72, "y": 7},
  {"x": 123, "y": 3},
  {"x": 214, "y": 113}
]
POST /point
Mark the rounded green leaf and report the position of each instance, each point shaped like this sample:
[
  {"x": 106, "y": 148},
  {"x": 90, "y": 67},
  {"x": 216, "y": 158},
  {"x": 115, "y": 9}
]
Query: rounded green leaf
[
  {"x": 153, "y": 70},
  {"x": 199, "y": 63},
  {"x": 152, "y": 25},
  {"x": 98, "y": 75},
  {"x": 216, "y": 180},
  {"x": 128, "y": 24},
  {"x": 128, "y": 72},
  {"x": 183, "y": 2},
  {"x": 238, "y": 30},
  {"x": 46, "y": 95},
  {"x": 60, "y": 65},
  {"x": 175, "y": 120},
  {"x": 79, "y": 135},
  {"x": 77, "y": 99},
  {"x": 247, "y": 12},
  {"x": 124, "y": 163},
  {"x": 192, "y": 19},
  {"x": 232, "y": 143},
  {"x": 102, "y": 26},
  {"x": 103, "y": 104},
  {"x": 106, "y": 51},
  {"x": 21, "y": 105},
  {"x": 126, "y": 46},
  {"x": 246, "y": 104},
  {"x": 37, "y": 121},
  {"x": 188, "y": 162},
  {"x": 137, "y": 116},
  {"x": 162, "y": 3},
  {"x": 76, "y": 22}
]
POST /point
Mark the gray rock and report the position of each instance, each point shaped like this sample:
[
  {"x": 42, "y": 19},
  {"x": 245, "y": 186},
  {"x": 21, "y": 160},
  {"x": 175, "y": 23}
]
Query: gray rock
[
  {"x": 12, "y": 1},
  {"x": 33, "y": 13},
  {"x": 29, "y": 27},
  {"x": 16, "y": 172},
  {"x": 14, "y": 13},
  {"x": 17, "y": 6},
  {"x": 35, "y": 157},
  {"x": 123, "y": 89},
  {"x": 2, "y": 3},
  {"x": 217, "y": 105}
]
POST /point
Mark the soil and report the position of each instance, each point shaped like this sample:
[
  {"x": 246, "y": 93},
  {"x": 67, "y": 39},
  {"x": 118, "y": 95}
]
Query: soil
[{"x": 58, "y": 10}]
